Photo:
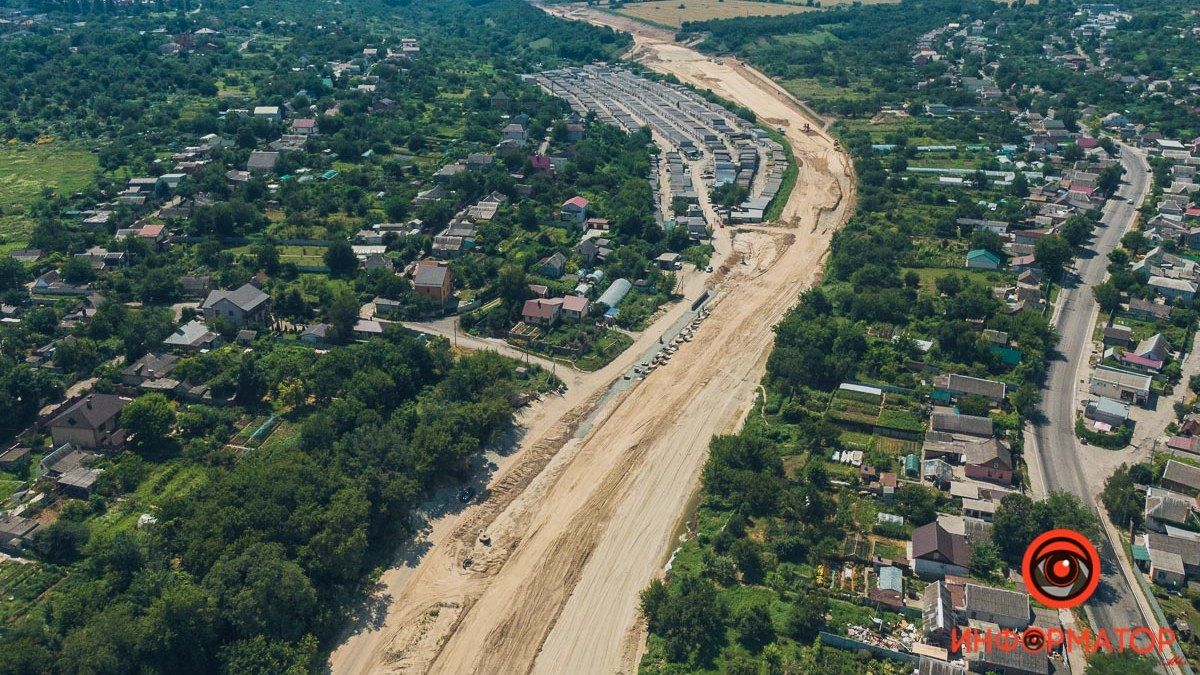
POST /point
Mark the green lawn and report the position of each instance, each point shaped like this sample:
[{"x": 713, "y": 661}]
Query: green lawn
[{"x": 27, "y": 170}]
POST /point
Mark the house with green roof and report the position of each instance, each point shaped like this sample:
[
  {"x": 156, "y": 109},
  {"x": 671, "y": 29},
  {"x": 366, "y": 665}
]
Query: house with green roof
[{"x": 983, "y": 259}]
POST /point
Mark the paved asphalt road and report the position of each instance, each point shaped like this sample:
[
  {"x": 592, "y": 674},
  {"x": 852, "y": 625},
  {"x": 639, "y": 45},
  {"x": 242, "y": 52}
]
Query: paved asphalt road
[{"x": 1062, "y": 458}]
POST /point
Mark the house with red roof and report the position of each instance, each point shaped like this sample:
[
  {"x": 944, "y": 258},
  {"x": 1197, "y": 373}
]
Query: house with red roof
[
  {"x": 575, "y": 210},
  {"x": 542, "y": 164},
  {"x": 575, "y": 307},
  {"x": 306, "y": 126},
  {"x": 541, "y": 311}
]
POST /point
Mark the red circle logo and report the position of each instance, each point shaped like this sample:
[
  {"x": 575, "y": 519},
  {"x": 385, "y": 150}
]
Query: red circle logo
[{"x": 1061, "y": 569}]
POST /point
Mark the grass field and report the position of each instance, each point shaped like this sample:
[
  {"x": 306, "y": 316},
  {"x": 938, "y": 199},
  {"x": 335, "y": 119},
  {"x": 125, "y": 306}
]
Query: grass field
[
  {"x": 27, "y": 170},
  {"x": 20, "y": 586}
]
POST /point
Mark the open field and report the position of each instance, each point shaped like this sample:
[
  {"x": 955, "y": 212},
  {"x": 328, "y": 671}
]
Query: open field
[
  {"x": 27, "y": 170},
  {"x": 668, "y": 12}
]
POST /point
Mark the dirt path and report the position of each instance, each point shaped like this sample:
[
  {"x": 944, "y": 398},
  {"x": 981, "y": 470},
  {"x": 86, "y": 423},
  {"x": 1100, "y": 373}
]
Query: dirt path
[{"x": 581, "y": 515}]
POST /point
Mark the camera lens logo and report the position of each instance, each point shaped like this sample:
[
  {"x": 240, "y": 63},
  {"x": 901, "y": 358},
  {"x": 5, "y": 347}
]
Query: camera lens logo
[{"x": 1061, "y": 569}]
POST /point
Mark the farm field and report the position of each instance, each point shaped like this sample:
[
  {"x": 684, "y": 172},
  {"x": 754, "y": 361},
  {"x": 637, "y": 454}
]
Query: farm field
[{"x": 26, "y": 170}]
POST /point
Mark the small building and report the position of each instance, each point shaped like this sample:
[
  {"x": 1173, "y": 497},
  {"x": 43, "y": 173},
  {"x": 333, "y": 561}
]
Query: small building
[
  {"x": 1007, "y": 609},
  {"x": 1120, "y": 385},
  {"x": 245, "y": 306},
  {"x": 262, "y": 161},
  {"x": 16, "y": 532},
  {"x": 668, "y": 261},
  {"x": 938, "y": 617},
  {"x": 1107, "y": 411},
  {"x": 575, "y": 307},
  {"x": 435, "y": 282},
  {"x": 193, "y": 336},
  {"x": 315, "y": 334},
  {"x": 542, "y": 312},
  {"x": 269, "y": 112},
  {"x": 149, "y": 367},
  {"x": 1165, "y": 508},
  {"x": 305, "y": 126},
  {"x": 982, "y": 259},
  {"x": 1117, "y": 335},
  {"x": 1181, "y": 478},
  {"x": 552, "y": 265},
  {"x": 91, "y": 422},
  {"x": 1166, "y": 568},
  {"x": 15, "y": 460}
]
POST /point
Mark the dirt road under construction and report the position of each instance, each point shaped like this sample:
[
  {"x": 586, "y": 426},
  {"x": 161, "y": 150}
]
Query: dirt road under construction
[{"x": 586, "y": 508}]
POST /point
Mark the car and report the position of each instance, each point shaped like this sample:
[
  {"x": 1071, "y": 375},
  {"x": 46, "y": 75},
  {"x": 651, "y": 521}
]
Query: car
[
  {"x": 466, "y": 494},
  {"x": 708, "y": 269}
]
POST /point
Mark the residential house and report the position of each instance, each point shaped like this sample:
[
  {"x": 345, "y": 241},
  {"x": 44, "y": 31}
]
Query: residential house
[
  {"x": 315, "y": 334},
  {"x": 1173, "y": 289},
  {"x": 1182, "y": 543},
  {"x": 514, "y": 133},
  {"x": 552, "y": 265},
  {"x": 954, "y": 385},
  {"x": 1106, "y": 411},
  {"x": 1149, "y": 310},
  {"x": 245, "y": 306},
  {"x": 989, "y": 460},
  {"x": 938, "y": 617},
  {"x": 1181, "y": 478},
  {"x": 262, "y": 161},
  {"x": 435, "y": 282},
  {"x": 16, "y": 532},
  {"x": 193, "y": 336},
  {"x": 968, "y": 425},
  {"x": 1117, "y": 335},
  {"x": 542, "y": 312},
  {"x": 149, "y": 367},
  {"x": 269, "y": 112},
  {"x": 935, "y": 552},
  {"x": 1166, "y": 568},
  {"x": 15, "y": 460},
  {"x": 91, "y": 422},
  {"x": 1006, "y": 609},
  {"x": 1120, "y": 385},
  {"x": 197, "y": 287},
  {"x": 575, "y": 307},
  {"x": 1163, "y": 508},
  {"x": 982, "y": 259},
  {"x": 575, "y": 210},
  {"x": 304, "y": 126}
]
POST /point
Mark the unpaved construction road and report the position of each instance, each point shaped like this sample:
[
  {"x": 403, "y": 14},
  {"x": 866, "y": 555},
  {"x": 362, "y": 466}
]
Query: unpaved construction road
[{"x": 583, "y": 513}]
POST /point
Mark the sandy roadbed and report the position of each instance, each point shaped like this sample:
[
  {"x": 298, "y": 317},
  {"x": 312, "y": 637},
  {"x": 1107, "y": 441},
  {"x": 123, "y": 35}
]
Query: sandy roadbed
[{"x": 581, "y": 515}]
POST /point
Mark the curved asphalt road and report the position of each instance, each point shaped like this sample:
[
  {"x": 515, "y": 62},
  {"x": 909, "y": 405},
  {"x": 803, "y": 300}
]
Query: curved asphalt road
[{"x": 1061, "y": 457}]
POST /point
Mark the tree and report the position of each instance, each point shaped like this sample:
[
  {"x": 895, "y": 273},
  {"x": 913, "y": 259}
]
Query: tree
[
  {"x": 755, "y": 629},
  {"x": 1019, "y": 186},
  {"x": 1015, "y": 524},
  {"x": 690, "y": 620},
  {"x": 61, "y": 542},
  {"x": 149, "y": 417},
  {"x": 1110, "y": 179},
  {"x": 1120, "y": 497},
  {"x": 985, "y": 558},
  {"x": 1108, "y": 296},
  {"x": 77, "y": 270},
  {"x": 343, "y": 314},
  {"x": 260, "y": 592},
  {"x": 917, "y": 503},
  {"x": 1053, "y": 253},
  {"x": 807, "y": 617},
  {"x": 749, "y": 560},
  {"x": 1026, "y": 398},
  {"x": 341, "y": 261}
]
